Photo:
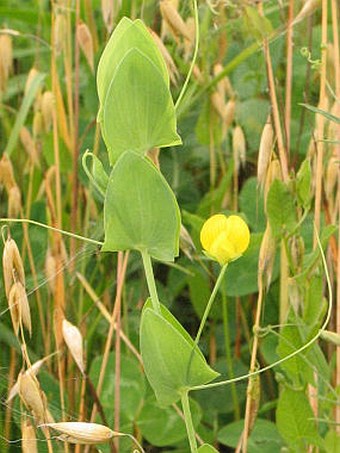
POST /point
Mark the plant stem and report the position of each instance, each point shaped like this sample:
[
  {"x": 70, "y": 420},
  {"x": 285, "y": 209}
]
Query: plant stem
[
  {"x": 228, "y": 356},
  {"x": 150, "y": 278},
  {"x": 210, "y": 302},
  {"x": 188, "y": 422}
]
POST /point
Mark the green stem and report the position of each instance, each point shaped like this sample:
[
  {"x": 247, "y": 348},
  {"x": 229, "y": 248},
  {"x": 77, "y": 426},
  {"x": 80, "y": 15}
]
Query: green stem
[
  {"x": 229, "y": 357},
  {"x": 209, "y": 304},
  {"x": 188, "y": 422},
  {"x": 150, "y": 278}
]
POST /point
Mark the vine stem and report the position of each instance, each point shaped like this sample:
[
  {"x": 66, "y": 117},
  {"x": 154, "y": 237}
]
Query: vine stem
[
  {"x": 210, "y": 302},
  {"x": 150, "y": 278},
  {"x": 188, "y": 421}
]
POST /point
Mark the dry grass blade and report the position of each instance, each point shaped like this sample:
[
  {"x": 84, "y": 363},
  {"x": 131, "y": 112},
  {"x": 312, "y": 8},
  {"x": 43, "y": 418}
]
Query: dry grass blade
[
  {"x": 74, "y": 342},
  {"x": 82, "y": 432}
]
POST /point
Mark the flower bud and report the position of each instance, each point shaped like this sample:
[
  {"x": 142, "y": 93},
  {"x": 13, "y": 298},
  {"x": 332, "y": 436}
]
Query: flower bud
[{"x": 225, "y": 238}]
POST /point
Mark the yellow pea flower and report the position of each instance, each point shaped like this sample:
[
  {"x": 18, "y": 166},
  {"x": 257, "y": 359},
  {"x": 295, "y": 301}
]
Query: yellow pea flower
[{"x": 225, "y": 238}]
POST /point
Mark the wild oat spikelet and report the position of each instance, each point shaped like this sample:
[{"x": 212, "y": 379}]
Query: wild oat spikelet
[
  {"x": 18, "y": 304},
  {"x": 85, "y": 41},
  {"x": 29, "y": 145},
  {"x": 74, "y": 342},
  {"x": 32, "y": 396},
  {"x": 109, "y": 11},
  {"x": 173, "y": 19},
  {"x": 172, "y": 69},
  {"x": 6, "y": 173},
  {"x": 34, "y": 369},
  {"x": 6, "y": 60},
  {"x": 47, "y": 109},
  {"x": 28, "y": 437},
  {"x": 14, "y": 202},
  {"x": 12, "y": 265},
  {"x": 82, "y": 432},
  {"x": 239, "y": 147},
  {"x": 266, "y": 258},
  {"x": 265, "y": 152},
  {"x": 30, "y": 77}
]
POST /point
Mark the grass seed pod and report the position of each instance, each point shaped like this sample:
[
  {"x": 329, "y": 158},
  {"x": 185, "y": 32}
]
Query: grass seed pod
[
  {"x": 34, "y": 369},
  {"x": 30, "y": 77},
  {"x": 265, "y": 152},
  {"x": 173, "y": 19},
  {"x": 82, "y": 432},
  {"x": 6, "y": 60},
  {"x": 173, "y": 71},
  {"x": 229, "y": 113},
  {"x": 19, "y": 307},
  {"x": 6, "y": 173},
  {"x": 14, "y": 202},
  {"x": 266, "y": 257},
  {"x": 85, "y": 41},
  {"x": 47, "y": 108},
  {"x": 239, "y": 147},
  {"x": 74, "y": 342},
  {"x": 12, "y": 264},
  {"x": 32, "y": 396}
]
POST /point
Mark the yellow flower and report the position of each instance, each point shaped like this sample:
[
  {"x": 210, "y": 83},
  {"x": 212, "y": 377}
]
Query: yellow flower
[{"x": 225, "y": 238}]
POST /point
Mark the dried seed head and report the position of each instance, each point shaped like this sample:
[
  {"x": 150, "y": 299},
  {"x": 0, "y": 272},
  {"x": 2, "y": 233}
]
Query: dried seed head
[
  {"x": 30, "y": 77},
  {"x": 12, "y": 264},
  {"x": 6, "y": 172},
  {"x": 32, "y": 396},
  {"x": 6, "y": 59},
  {"x": 266, "y": 258},
  {"x": 85, "y": 41},
  {"x": 265, "y": 152},
  {"x": 14, "y": 202},
  {"x": 173, "y": 19},
  {"x": 239, "y": 147},
  {"x": 189, "y": 43},
  {"x": 109, "y": 12},
  {"x": 47, "y": 108},
  {"x": 29, "y": 145},
  {"x": 19, "y": 307},
  {"x": 218, "y": 103},
  {"x": 50, "y": 270},
  {"x": 74, "y": 342},
  {"x": 29, "y": 438},
  {"x": 308, "y": 8},
  {"x": 34, "y": 369},
  {"x": 229, "y": 113},
  {"x": 82, "y": 432},
  {"x": 198, "y": 74},
  {"x": 59, "y": 33},
  {"x": 173, "y": 71}
]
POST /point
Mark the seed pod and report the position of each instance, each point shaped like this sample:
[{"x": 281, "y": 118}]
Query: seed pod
[
  {"x": 32, "y": 396},
  {"x": 239, "y": 147},
  {"x": 229, "y": 113},
  {"x": 265, "y": 152},
  {"x": 266, "y": 257},
  {"x": 6, "y": 60},
  {"x": 189, "y": 43},
  {"x": 12, "y": 264},
  {"x": 28, "y": 437},
  {"x": 85, "y": 41},
  {"x": 174, "y": 20},
  {"x": 308, "y": 8},
  {"x": 14, "y": 202},
  {"x": 19, "y": 307},
  {"x": 34, "y": 369},
  {"x": 74, "y": 342},
  {"x": 6, "y": 172},
  {"x": 82, "y": 432},
  {"x": 218, "y": 104},
  {"x": 109, "y": 11},
  {"x": 37, "y": 124},
  {"x": 173, "y": 71},
  {"x": 30, "y": 77},
  {"x": 47, "y": 108}
]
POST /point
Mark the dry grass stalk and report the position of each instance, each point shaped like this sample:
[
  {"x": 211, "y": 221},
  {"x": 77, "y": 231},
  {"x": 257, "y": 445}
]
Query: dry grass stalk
[
  {"x": 38, "y": 126},
  {"x": 59, "y": 33},
  {"x": 82, "y": 432},
  {"x": 308, "y": 8},
  {"x": 85, "y": 41},
  {"x": 265, "y": 152},
  {"x": 28, "y": 437},
  {"x": 174, "y": 21},
  {"x": 47, "y": 106},
  {"x": 173, "y": 71},
  {"x": 239, "y": 148},
  {"x": 74, "y": 342},
  {"x": 33, "y": 397},
  {"x": 6, "y": 60},
  {"x": 50, "y": 270}
]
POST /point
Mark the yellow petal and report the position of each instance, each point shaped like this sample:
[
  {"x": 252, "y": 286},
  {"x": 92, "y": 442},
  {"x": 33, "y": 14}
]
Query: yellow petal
[
  {"x": 212, "y": 228},
  {"x": 238, "y": 234}
]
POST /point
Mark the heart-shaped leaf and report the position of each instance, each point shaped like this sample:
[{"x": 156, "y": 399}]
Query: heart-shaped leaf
[
  {"x": 172, "y": 362},
  {"x": 140, "y": 210}
]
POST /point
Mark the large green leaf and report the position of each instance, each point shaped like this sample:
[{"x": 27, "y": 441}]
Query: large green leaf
[
  {"x": 280, "y": 209},
  {"x": 172, "y": 362},
  {"x": 138, "y": 111},
  {"x": 140, "y": 210},
  {"x": 127, "y": 35},
  {"x": 294, "y": 418},
  {"x": 206, "y": 448}
]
